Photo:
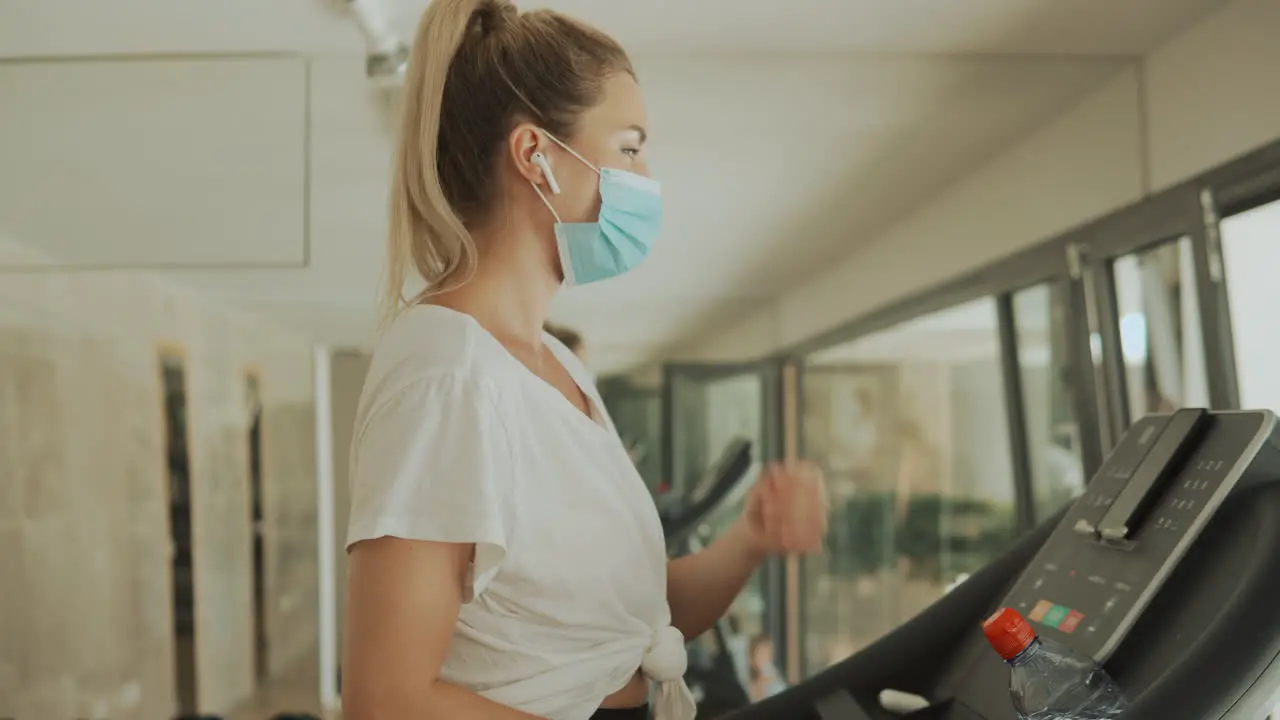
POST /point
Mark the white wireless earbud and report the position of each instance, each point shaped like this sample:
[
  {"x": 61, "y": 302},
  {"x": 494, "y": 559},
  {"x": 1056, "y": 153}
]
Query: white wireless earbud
[{"x": 541, "y": 161}]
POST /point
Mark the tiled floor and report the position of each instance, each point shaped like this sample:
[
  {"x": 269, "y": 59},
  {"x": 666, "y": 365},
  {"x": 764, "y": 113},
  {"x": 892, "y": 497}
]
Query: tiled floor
[{"x": 297, "y": 691}]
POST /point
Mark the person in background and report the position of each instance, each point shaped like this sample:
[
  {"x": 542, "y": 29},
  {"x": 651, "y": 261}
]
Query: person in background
[
  {"x": 738, "y": 646},
  {"x": 571, "y": 339},
  {"x": 766, "y": 681},
  {"x": 505, "y": 559}
]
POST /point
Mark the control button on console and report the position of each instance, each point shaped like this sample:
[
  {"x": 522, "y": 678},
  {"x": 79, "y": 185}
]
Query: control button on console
[
  {"x": 1041, "y": 609},
  {"x": 1056, "y": 615},
  {"x": 1146, "y": 488},
  {"x": 1071, "y": 621}
]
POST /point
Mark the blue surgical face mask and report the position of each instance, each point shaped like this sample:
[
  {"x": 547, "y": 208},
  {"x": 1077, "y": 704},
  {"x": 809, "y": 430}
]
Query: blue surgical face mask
[{"x": 630, "y": 217}]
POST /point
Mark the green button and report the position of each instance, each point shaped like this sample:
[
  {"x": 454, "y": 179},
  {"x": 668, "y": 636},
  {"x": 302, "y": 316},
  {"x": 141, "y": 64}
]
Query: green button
[{"x": 1055, "y": 616}]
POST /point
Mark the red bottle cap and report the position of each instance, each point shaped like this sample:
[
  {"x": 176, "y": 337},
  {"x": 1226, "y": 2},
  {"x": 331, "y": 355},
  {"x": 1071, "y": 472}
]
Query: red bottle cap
[{"x": 1008, "y": 632}]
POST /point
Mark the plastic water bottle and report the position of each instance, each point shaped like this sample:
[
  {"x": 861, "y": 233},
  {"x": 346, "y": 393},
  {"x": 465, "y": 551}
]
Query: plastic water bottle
[{"x": 1048, "y": 680}]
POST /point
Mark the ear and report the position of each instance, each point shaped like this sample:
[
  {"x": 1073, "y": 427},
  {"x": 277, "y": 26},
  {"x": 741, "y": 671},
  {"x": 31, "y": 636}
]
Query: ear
[{"x": 523, "y": 142}]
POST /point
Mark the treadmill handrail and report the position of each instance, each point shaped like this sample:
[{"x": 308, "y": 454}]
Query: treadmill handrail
[{"x": 731, "y": 471}]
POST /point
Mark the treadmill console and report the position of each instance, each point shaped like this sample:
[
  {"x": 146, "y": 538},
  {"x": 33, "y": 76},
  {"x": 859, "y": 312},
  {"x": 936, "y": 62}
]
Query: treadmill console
[
  {"x": 1167, "y": 570},
  {"x": 1139, "y": 515}
]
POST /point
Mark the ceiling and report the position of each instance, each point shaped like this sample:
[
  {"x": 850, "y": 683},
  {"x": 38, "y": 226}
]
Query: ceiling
[
  {"x": 962, "y": 334},
  {"x": 1000, "y": 27},
  {"x": 236, "y": 146}
]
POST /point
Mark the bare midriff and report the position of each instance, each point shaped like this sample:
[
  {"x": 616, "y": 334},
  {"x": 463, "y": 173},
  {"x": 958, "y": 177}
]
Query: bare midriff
[{"x": 634, "y": 694}]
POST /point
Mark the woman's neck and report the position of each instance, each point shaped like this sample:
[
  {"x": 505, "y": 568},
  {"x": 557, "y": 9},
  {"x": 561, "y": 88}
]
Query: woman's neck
[{"x": 510, "y": 293}]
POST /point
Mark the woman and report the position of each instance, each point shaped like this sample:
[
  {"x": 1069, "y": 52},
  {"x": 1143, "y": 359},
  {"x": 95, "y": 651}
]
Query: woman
[
  {"x": 505, "y": 558},
  {"x": 766, "y": 681}
]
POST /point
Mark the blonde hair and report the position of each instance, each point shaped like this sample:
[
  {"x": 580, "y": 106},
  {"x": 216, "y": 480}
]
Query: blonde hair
[{"x": 478, "y": 68}]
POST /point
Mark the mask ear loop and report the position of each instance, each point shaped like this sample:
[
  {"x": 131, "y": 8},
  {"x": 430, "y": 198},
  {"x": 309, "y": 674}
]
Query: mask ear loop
[
  {"x": 571, "y": 151},
  {"x": 541, "y": 161},
  {"x": 542, "y": 196}
]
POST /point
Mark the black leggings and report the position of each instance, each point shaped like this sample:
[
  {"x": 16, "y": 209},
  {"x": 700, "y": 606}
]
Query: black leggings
[{"x": 635, "y": 713}]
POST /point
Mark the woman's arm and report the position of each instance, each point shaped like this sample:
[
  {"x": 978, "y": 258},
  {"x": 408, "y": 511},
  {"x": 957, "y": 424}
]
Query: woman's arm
[
  {"x": 700, "y": 587},
  {"x": 402, "y": 602},
  {"x": 785, "y": 512}
]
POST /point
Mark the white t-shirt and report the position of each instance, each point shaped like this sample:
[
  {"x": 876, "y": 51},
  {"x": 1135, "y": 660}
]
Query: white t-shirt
[{"x": 457, "y": 441}]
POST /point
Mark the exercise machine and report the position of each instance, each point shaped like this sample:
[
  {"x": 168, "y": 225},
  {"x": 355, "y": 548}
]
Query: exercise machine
[
  {"x": 1166, "y": 570},
  {"x": 725, "y": 482}
]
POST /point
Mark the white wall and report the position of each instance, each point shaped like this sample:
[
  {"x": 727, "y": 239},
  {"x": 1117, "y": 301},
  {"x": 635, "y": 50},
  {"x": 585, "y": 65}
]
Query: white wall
[
  {"x": 86, "y": 600},
  {"x": 1210, "y": 94}
]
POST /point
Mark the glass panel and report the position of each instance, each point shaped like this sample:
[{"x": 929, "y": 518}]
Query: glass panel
[
  {"x": 637, "y": 413},
  {"x": 1053, "y": 435},
  {"x": 1251, "y": 254},
  {"x": 173, "y": 384},
  {"x": 711, "y": 410},
  {"x": 709, "y": 413},
  {"x": 1160, "y": 335},
  {"x": 910, "y": 426}
]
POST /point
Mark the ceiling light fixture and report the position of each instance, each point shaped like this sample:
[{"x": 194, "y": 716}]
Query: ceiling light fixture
[{"x": 388, "y": 56}]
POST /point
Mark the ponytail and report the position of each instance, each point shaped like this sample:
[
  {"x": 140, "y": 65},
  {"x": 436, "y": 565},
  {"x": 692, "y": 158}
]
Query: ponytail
[{"x": 423, "y": 228}]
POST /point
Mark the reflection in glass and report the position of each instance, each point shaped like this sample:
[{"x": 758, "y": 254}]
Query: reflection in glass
[
  {"x": 253, "y": 403},
  {"x": 173, "y": 388},
  {"x": 1160, "y": 337},
  {"x": 735, "y": 408},
  {"x": 709, "y": 412},
  {"x": 1251, "y": 254},
  {"x": 636, "y": 411},
  {"x": 910, "y": 426},
  {"x": 1053, "y": 436}
]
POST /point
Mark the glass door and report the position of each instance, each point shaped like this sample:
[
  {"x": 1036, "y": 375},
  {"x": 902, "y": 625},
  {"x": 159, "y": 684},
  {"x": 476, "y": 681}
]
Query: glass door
[
  {"x": 705, "y": 408},
  {"x": 636, "y": 409},
  {"x": 910, "y": 423},
  {"x": 1048, "y": 438},
  {"x": 1153, "y": 296}
]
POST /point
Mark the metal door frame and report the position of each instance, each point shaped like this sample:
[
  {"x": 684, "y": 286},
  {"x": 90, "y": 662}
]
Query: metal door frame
[{"x": 1184, "y": 211}]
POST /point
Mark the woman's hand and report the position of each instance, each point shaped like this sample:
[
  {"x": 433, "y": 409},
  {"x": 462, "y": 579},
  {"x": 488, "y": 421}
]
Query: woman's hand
[{"x": 786, "y": 510}]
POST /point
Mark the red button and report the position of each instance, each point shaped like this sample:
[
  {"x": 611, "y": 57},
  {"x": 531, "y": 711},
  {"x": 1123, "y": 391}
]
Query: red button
[{"x": 1071, "y": 621}]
